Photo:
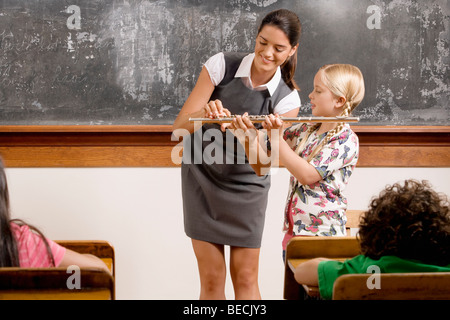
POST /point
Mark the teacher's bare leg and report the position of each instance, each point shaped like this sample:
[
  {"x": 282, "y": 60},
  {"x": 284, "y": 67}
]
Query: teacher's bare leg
[
  {"x": 244, "y": 265},
  {"x": 212, "y": 269}
]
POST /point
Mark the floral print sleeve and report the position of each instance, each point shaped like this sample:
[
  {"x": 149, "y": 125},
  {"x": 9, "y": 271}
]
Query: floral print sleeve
[
  {"x": 292, "y": 134},
  {"x": 340, "y": 154}
]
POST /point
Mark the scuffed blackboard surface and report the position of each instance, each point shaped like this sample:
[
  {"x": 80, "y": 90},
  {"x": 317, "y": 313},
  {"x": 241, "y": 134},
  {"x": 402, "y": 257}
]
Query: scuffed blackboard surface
[{"x": 135, "y": 62}]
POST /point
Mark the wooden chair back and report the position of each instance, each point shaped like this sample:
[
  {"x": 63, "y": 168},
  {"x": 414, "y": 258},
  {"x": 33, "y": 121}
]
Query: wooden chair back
[
  {"x": 353, "y": 219},
  {"x": 57, "y": 284},
  {"x": 393, "y": 286}
]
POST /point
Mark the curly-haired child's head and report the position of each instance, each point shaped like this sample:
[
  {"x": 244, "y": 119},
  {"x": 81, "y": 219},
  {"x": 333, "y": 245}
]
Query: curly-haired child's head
[{"x": 410, "y": 221}]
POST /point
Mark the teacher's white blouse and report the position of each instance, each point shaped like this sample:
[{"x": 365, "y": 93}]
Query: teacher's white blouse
[{"x": 216, "y": 69}]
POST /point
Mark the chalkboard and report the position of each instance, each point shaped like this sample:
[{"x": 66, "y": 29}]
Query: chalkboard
[{"x": 111, "y": 62}]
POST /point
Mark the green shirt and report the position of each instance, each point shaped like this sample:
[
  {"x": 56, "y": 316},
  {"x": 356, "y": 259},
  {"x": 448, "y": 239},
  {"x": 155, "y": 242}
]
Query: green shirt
[{"x": 329, "y": 271}]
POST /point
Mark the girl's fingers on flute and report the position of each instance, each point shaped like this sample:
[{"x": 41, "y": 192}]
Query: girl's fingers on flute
[
  {"x": 267, "y": 124},
  {"x": 274, "y": 119},
  {"x": 248, "y": 123},
  {"x": 241, "y": 123},
  {"x": 278, "y": 122},
  {"x": 234, "y": 124},
  {"x": 225, "y": 126}
]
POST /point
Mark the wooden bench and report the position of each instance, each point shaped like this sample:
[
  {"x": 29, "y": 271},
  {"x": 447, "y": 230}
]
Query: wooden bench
[
  {"x": 394, "y": 286},
  {"x": 301, "y": 249},
  {"x": 52, "y": 283}
]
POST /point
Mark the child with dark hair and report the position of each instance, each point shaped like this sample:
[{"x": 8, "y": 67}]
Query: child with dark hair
[
  {"x": 22, "y": 245},
  {"x": 406, "y": 229}
]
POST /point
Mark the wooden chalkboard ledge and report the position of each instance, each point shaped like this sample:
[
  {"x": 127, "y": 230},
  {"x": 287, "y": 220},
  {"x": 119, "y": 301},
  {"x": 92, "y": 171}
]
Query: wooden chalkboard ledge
[
  {"x": 153, "y": 146},
  {"x": 401, "y": 129},
  {"x": 87, "y": 128}
]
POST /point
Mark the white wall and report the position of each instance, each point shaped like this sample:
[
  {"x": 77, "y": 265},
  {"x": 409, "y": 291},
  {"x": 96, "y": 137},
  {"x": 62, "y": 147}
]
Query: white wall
[{"x": 139, "y": 210}]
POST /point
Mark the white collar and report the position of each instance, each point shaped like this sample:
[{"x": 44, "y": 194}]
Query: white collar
[{"x": 244, "y": 71}]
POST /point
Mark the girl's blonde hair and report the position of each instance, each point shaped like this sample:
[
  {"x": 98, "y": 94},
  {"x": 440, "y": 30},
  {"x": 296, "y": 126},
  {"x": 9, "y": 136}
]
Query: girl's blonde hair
[{"x": 343, "y": 80}]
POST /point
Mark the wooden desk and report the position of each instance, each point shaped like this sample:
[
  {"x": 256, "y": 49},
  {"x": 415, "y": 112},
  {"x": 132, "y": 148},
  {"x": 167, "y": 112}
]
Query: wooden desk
[
  {"x": 100, "y": 248},
  {"x": 300, "y": 249},
  {"x": 51, "y": 283},
  {"x": 312, "y": 291},
  {"x": 306, "y": 248}
]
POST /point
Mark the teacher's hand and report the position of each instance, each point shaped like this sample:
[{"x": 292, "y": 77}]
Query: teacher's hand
[{"x": 214, "y": 109}]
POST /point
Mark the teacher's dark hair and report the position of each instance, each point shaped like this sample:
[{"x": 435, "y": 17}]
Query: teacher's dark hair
[{"x": 288, "y": 22}]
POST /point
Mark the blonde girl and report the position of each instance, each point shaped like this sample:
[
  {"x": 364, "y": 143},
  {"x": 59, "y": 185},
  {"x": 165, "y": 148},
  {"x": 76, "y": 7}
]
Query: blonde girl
[{"x": 320, "y": 157}]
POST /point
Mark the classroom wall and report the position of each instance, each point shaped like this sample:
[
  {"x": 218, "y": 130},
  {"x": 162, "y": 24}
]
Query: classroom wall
[{"x": 139, "y": 210}]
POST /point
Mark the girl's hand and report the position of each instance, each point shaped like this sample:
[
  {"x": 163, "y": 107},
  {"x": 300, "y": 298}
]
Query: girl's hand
[
  {"x": 273, "y": 122},
  {"x": 214, "y": 109},
  {"x": 243, "y": 128},
  {"x": 242, "y": 122}
]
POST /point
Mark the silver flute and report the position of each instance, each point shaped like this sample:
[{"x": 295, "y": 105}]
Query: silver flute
[{"x": 262, "y": 118}]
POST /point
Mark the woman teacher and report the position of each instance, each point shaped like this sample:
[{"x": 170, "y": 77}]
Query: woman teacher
[{"x": 224, "y": 202}]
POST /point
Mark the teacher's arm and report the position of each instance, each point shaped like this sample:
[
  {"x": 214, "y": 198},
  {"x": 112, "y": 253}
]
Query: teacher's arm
[{"x": 198, "y": 105}]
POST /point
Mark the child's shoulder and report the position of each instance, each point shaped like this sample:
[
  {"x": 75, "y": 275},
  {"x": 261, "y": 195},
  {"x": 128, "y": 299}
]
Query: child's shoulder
[
  {"x": 345, "y": 134},
  {"x": 20, "y": 230},
  {"x": 23, "y": 235}
]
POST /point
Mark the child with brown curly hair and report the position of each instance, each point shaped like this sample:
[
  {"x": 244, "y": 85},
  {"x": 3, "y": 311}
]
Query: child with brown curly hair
[{"x": 406, "y": 229}]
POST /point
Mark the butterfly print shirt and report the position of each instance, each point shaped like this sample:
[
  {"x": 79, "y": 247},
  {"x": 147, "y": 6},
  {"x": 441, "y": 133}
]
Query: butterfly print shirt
[{"x": 319, "y": 208}]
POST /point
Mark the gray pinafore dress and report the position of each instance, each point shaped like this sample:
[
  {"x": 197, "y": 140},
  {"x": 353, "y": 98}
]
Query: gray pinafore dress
[{"x": 224, "y": 201}]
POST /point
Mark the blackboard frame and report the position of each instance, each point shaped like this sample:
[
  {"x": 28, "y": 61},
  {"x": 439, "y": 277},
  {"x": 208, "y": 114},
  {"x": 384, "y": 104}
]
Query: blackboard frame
[
  {"x": 403, "y": 42},
  {"x": 330, "y": 35}
]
